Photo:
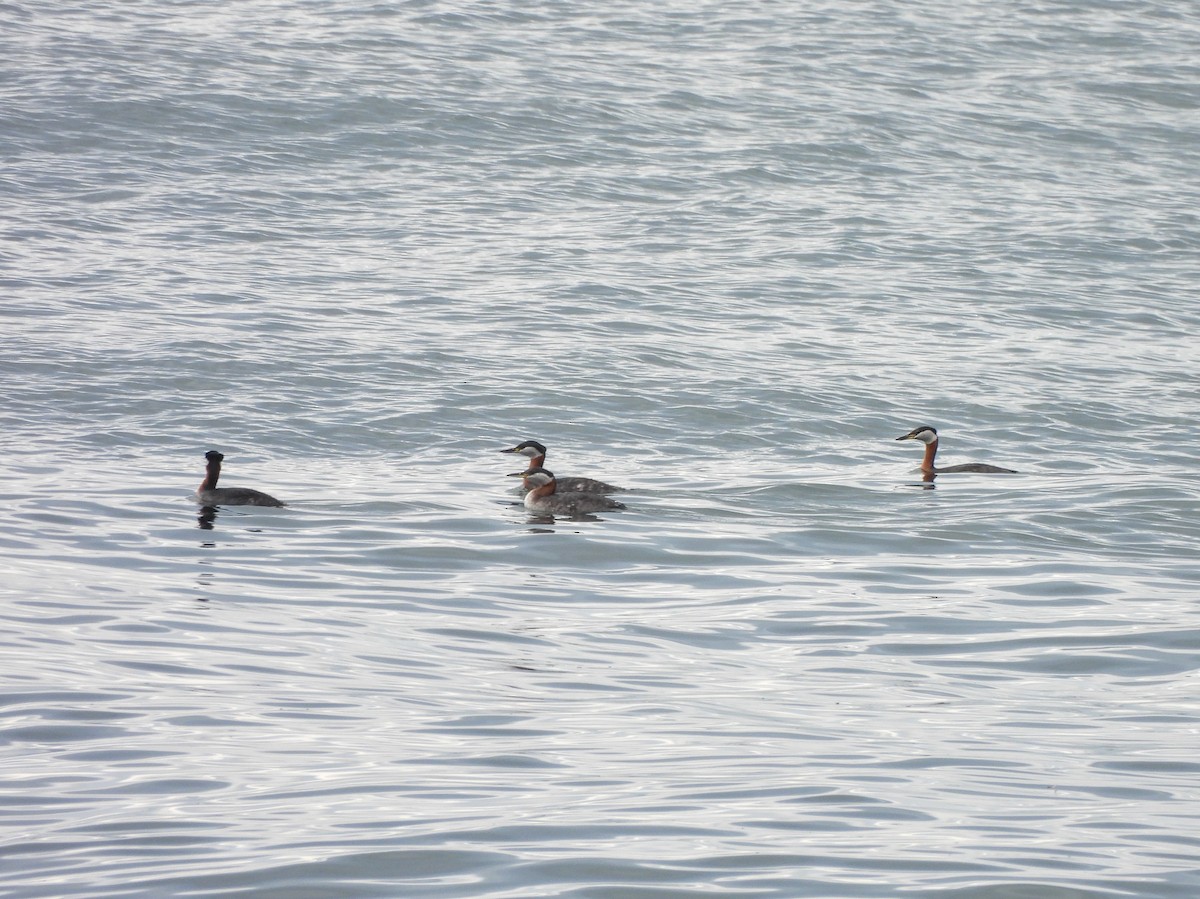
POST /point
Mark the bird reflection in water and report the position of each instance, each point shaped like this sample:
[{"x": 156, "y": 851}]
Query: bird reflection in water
[{"x": 927, "y": 479}]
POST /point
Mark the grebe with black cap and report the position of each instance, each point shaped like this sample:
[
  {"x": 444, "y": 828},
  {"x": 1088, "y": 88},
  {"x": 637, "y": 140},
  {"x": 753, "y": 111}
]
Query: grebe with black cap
[
  {"x": 209, "y": 494},
  {"x": 543, "y": 496},
  {"x": 537, "y": 458},
  {"x": 929, "y": 437}
]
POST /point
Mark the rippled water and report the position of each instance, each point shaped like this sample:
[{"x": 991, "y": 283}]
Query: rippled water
[{"x": 720, "y": 254}]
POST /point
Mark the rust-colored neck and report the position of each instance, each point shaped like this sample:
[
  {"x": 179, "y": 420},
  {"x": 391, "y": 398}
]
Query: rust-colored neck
[
  {"x": 930, "y": 452},
  {"x": 211, "y": 474},
  {"x": 537, "y": 461},
  {"x": 543, "y": 490}
]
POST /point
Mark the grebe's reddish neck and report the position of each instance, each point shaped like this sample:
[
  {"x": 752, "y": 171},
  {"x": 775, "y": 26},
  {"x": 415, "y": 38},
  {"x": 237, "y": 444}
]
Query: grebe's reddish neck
[
  {"x": 930, "y": 452},
  {"x": 212, "y": 471},
  {"x": 541, "y": 490}
]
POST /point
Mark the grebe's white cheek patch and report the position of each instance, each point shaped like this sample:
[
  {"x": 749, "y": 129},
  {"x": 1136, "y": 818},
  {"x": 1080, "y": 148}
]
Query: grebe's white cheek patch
[{"x": 926, "y": 437}]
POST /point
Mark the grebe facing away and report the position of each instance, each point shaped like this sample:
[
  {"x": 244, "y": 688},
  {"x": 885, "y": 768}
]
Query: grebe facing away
[
  {"x": 544, "y": 497},
  {"x": 209, "y": 494},
  {"x": 537, "y": 458},
  {"x": 929, "y": 437}
]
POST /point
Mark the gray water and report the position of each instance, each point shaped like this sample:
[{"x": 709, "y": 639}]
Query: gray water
[{"x": 721, "y": 254}]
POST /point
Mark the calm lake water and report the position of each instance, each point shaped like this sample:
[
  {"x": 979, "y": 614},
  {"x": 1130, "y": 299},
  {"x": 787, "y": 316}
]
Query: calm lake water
[{"x": 720, "y": 254}]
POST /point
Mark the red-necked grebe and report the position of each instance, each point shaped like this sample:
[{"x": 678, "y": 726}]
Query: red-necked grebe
[
  {"x": 209, "y": 494},
  {"x": 537, "y": 458},
  {"x": 929, "y": 437},
  {"x": 543, "y": 496}
]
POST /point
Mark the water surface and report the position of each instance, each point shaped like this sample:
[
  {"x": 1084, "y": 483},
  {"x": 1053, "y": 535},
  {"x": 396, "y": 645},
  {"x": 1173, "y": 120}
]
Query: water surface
[{"x": 722, "y": 256}]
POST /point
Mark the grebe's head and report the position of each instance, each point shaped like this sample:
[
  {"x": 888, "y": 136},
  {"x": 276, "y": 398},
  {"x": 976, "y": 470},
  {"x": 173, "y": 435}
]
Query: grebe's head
[
  {"x": 924, "y": 433},
  {"x": 214, "y": 456},
  {"x": 530, "y": 448},
  {"x": 534, "y": 477}
]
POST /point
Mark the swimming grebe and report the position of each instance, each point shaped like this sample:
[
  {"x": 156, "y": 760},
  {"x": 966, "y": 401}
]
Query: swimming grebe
[
  {"x": 544, "y": 497},
  {"x": 929, "y": 437},
  {"x": 209, "y": 494},
  {"x": 537, "y": 458}
]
